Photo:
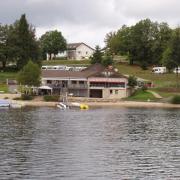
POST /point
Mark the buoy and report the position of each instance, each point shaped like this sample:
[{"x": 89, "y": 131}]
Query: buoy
[{"x": 84, "y": 106}]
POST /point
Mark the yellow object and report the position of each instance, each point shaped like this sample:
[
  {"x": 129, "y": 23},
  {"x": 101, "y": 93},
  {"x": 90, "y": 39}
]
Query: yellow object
[{"x": 84, "y": 106}]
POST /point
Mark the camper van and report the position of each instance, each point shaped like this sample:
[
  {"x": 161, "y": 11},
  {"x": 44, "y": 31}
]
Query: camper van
[
  {"x": 159, "y": 70},
  {"x": 176, "y": 70}
]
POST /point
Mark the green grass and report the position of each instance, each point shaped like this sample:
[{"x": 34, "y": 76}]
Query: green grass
[
  {"x": 66, "y": 62},
  {"x": 142, "y": 96},
  {"x": 7, "y": 75},
  {"x": 159, "y": 80},
  {"x": 3, "y": 88}
]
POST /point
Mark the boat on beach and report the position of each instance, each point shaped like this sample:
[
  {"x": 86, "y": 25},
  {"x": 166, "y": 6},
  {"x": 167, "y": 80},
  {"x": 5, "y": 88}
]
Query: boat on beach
[{"x": 4, "y": 103}]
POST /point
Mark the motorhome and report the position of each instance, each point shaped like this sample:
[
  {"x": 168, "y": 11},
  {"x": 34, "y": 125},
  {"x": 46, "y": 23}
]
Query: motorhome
[
  {"x": 176, "y": 70},
  {"x": 159, "y": 70}
]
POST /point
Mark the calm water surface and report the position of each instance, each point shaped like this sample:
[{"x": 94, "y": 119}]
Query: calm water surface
[{"x": 99, "y": 144}]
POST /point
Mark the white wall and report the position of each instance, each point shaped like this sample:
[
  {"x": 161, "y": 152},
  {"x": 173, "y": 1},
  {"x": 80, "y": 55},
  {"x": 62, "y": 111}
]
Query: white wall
[
  {"x": 83, "y": 52},
  {"x": 116, "y": 93}
]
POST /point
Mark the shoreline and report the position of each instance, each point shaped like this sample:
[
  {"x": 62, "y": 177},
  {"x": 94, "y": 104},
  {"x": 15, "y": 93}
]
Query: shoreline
[
  {"x": 122, "y": 104},
  {"x": 90, "y": 102}
]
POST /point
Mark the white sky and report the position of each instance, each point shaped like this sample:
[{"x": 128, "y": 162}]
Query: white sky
[{"x": 88, "y": 20}]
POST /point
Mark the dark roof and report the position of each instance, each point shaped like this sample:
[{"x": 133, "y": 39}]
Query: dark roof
[
  {"x": 96, "y": 70},
  {"x": 73, "y": 46}
]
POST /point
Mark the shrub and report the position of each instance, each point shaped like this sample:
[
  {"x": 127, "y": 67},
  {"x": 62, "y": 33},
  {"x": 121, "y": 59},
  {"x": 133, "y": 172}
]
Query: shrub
[
  {"x": 26, "y": 97},
  {"x": 132, "y": 81},
  {"x": 51, "y": 98},
  {"x": 175, "y": 99},
  {"x": 17, "y": 98},
  {"x": 144, "y": 88}
]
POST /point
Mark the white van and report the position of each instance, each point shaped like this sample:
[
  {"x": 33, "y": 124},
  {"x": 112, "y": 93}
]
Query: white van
[{"x": 159, "y": 70}]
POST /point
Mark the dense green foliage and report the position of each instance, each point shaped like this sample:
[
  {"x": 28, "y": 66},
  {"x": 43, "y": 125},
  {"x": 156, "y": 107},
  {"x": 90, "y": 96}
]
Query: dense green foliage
[
  {"x": 26, "y": 42},
  {"x": 29, "y": 75},
  {"x": 175, "y": 99},
  {"x": 52, "y": 98},
  {"x": 143, "y": 43},
  {"x": 52, "y": 42},
  {"x": 132, "y": 81},
  {"x": 107, "y": 60},
  {"x": 97, "y": 56},
  {"x": 18, "y": 43}
]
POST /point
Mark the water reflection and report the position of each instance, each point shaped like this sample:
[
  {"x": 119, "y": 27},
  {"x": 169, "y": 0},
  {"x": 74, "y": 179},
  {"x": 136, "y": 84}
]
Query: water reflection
[{"x": 98, "y": 144}]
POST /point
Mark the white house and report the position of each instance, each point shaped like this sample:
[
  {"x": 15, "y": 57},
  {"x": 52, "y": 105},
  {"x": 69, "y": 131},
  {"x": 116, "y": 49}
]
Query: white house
[
  {"x": 79, "y": 51},
  {"x": 76, "y": 51}
]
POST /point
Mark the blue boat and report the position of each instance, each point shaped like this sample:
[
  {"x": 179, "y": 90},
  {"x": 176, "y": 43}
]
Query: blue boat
[{"x": 4, "y": 103}]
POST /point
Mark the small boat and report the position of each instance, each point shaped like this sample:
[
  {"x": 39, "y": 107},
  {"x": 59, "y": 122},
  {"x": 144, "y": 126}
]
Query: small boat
[
  {"x": 84, "y": 107},
  {"x": 4, "y": 103},
  {"x": 63, "y": 106},
  {"x": 80, "y": 106}
]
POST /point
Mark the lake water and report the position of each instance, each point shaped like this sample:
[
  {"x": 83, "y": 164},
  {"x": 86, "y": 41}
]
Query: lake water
[{"x": 98, "y": 144}]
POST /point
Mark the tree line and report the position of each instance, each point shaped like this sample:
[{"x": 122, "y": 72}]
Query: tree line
[
  {"x": 18, "y": 44},
  {"x": 146, "y": 43}
]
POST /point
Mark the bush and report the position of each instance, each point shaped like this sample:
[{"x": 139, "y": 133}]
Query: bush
[
  {"x": 144, "y": 88},
  {"x": 175, "y": 99},
  {"x": 17, "y": 98},
  {"x": 26, "y": 97},
  {"x": 51, "y": 98},
  {"x": 132, "y": 81}
]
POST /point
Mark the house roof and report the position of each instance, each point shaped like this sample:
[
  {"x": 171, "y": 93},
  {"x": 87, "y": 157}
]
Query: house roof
[
  {"x": 96, "y": 70},
  {"x": 74, "y": 46}
]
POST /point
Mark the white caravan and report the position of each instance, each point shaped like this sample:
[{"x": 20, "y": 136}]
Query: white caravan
[
  {"x": 159, "y": 70},
  {"x": 176, "y": 70}
]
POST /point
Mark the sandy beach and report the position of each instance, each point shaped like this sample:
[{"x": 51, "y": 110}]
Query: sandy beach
[
  {"x": 126, "y": 104},
  {"x": 38, "y": 102}
]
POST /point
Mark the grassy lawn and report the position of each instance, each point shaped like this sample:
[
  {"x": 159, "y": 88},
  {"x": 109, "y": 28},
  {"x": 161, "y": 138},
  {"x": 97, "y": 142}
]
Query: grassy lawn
[
  {"x": 142, "y": 96},
  {"x": 7, "y": 75},
  {"x": 160, "y": 80},
  {"x": 4, "y": 88},
  {"x": 66, "y": 62}
]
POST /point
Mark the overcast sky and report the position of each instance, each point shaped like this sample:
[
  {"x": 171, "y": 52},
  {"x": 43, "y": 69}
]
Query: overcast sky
[{"x": 88, "y": 20}]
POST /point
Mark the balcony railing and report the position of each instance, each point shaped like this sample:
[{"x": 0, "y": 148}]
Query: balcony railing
[{"x": 77, "y": 86}]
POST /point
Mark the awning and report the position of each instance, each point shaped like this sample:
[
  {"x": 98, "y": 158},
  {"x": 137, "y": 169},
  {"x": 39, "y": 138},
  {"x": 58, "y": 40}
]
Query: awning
[
  {"x": 110, "y": 80},
  {"x": 45, "y": 87}
]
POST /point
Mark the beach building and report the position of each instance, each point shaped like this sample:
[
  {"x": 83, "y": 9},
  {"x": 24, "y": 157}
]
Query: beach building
[{"x": 96, "y": 81}]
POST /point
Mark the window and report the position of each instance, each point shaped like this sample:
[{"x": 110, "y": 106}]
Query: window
[
  {"x": 111, "y": 91},
  {"x": 116, "y": 91},
  {"x": 81, "y": 82},
  {"x": 79, "y": 52},
  {"x": 49, "y": 82},
  {"x": 74, "y": 82},
  {"x": 86, "y": 52}
]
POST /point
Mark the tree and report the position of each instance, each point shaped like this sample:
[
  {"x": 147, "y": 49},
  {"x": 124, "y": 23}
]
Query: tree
[
  {"x": 107, "y": 60},
  {"x": 167, "y": 60},
  {"x": 25, "y": 42},
  {"x": 29, "y": 75},
  {"x": 161, "y": 42},
  {"x": 132, "y": 81},
  {"x": 3, "y": 45},
  {"x": 97, "y": 56},
  {"x": 53, "y": 42},
  {"x": 143, "y": 43}
]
